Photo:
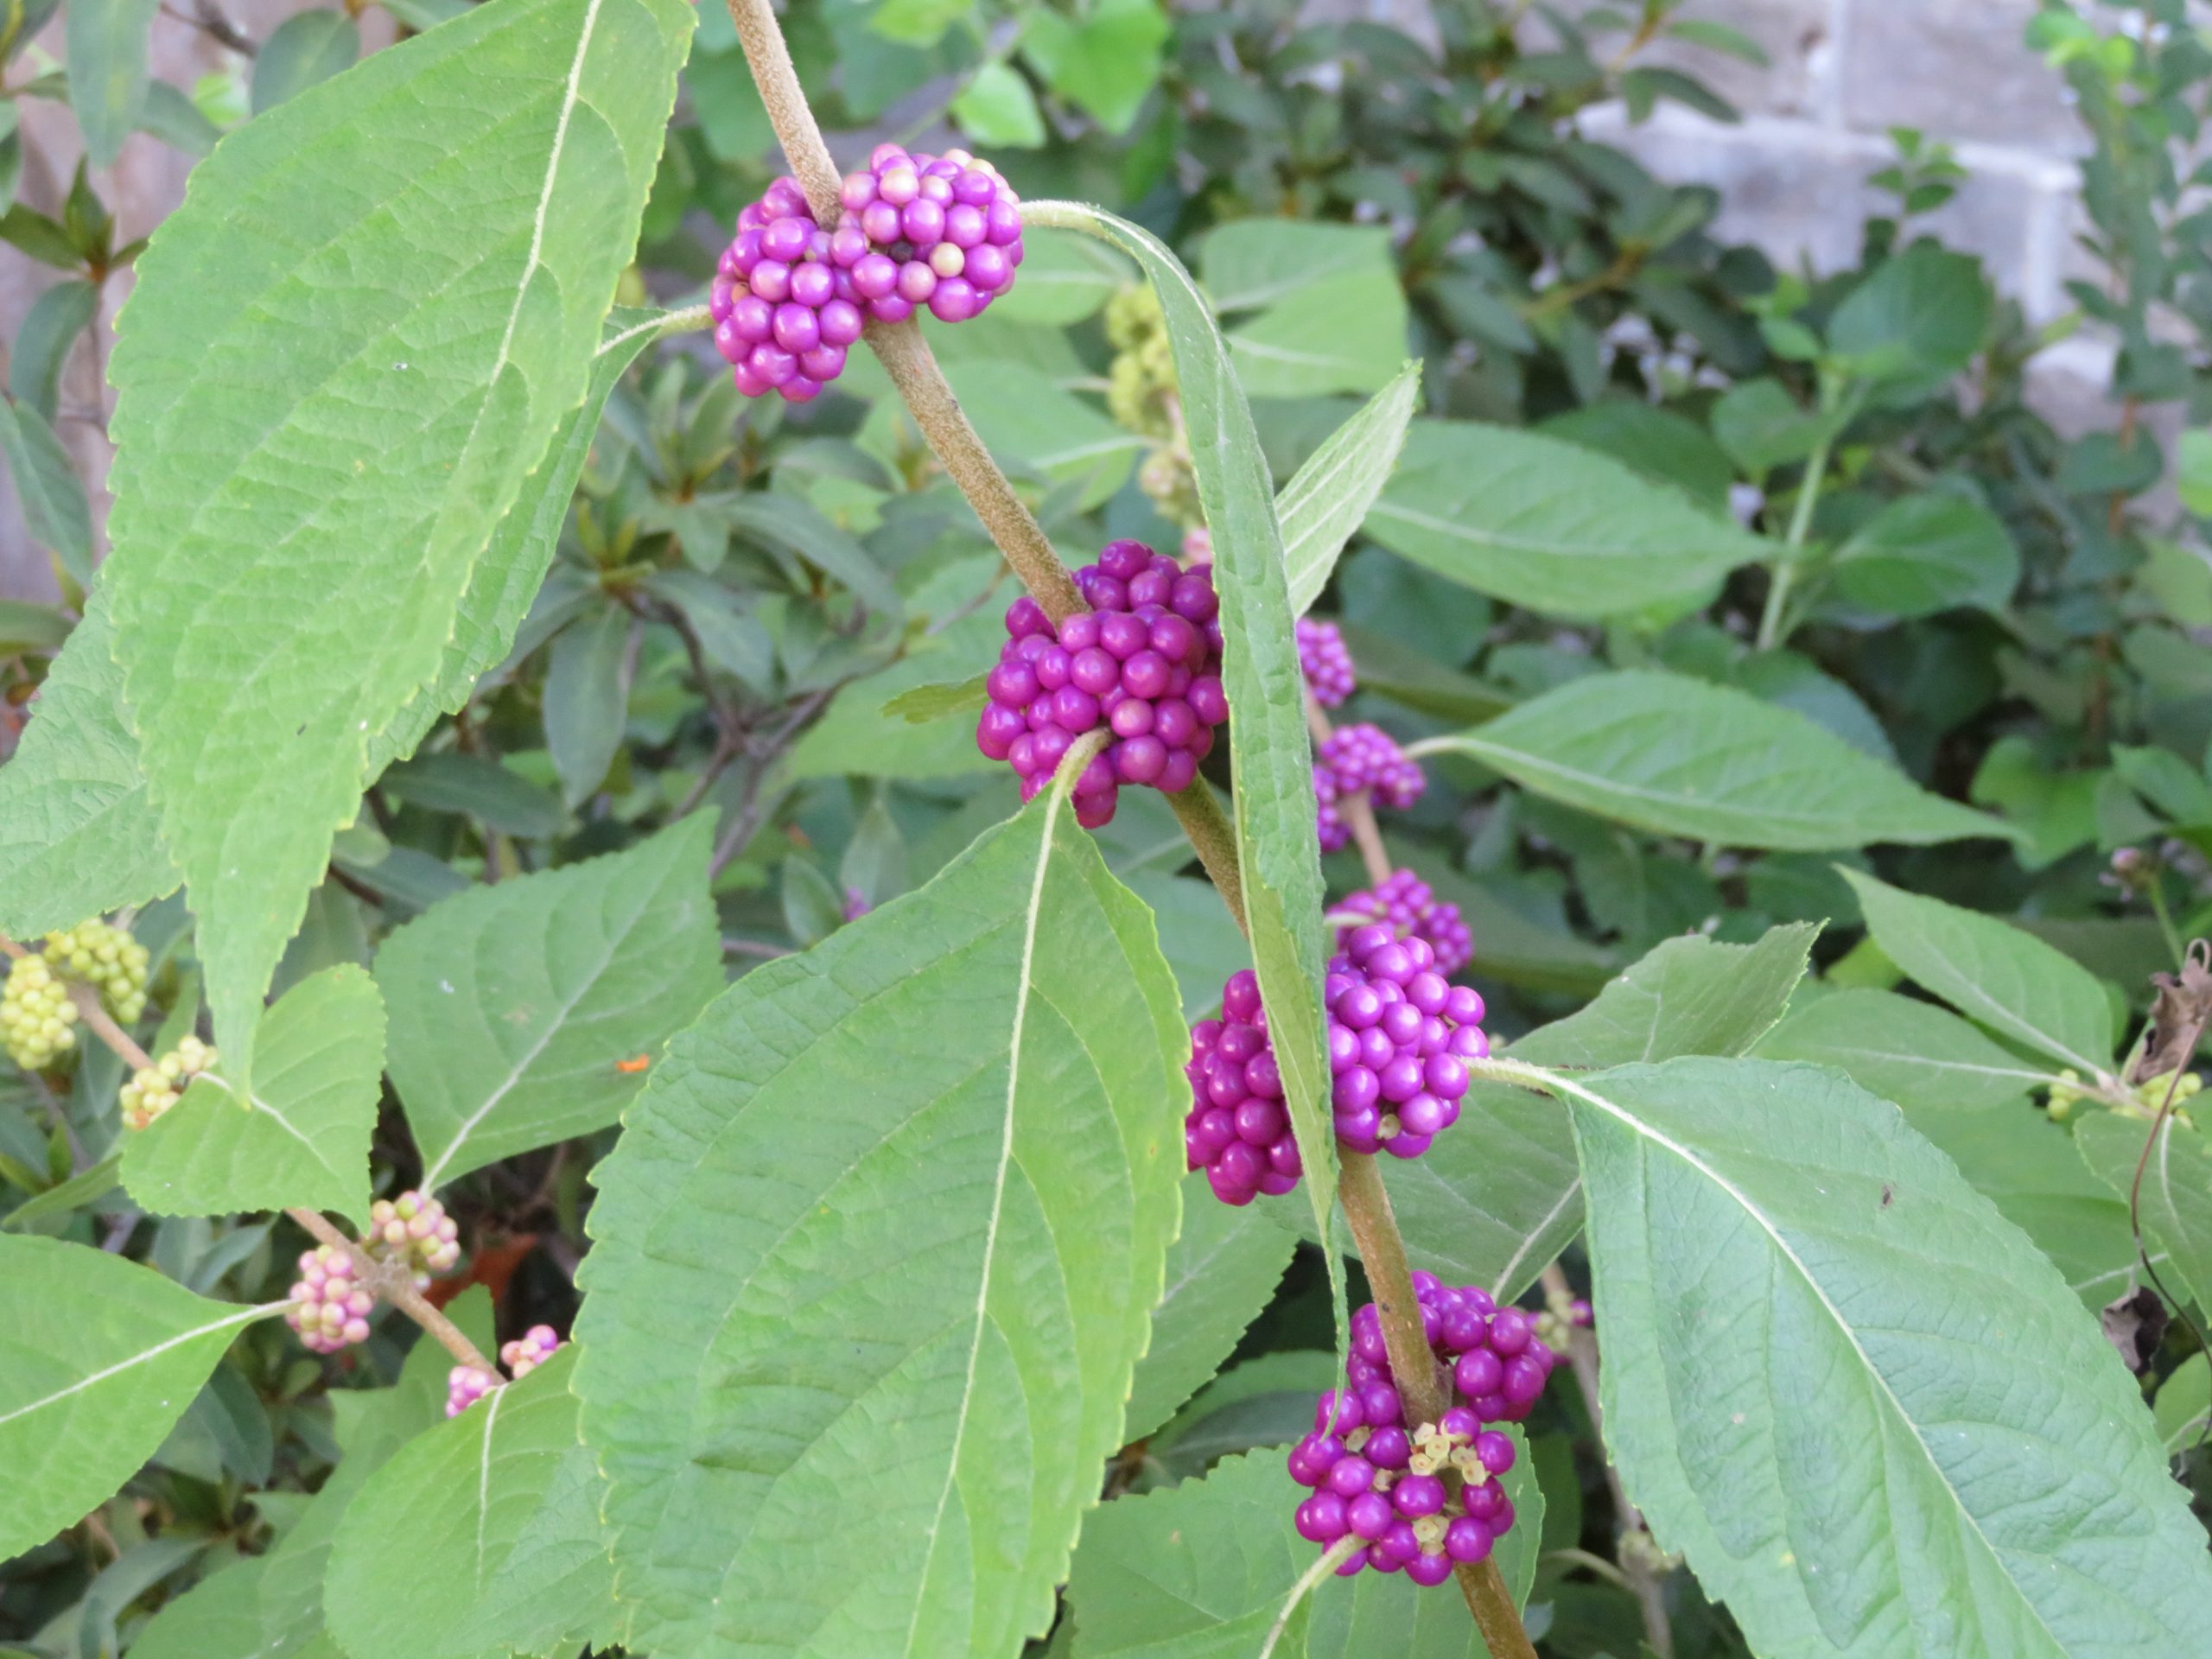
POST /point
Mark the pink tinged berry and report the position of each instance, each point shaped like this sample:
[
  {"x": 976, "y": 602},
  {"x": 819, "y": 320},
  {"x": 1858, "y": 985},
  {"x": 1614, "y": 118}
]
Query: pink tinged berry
[
  {"x": 796, "y": 331},
  {"x": 953, "y": 301},
  {"x": 917, "y": 282},
  {"x": 875, "y": 277}
]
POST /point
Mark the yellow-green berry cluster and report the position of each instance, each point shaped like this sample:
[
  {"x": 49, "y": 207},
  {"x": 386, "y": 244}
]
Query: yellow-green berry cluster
[
  {"x": 1142, "y": 395},
  {"x": 108, "y": 959},
  {"x": 37, "y": 1019},
  {"x": 414, "y": 1228},
  {"x": 154, "y": 1089},
  {"x": 2143, "y": 1101}
]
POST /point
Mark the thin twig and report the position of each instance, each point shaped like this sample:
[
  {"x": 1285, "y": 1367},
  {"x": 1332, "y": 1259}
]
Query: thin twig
[
  {"x": 389, "y": 1281},
  {"x": 904, "y": 354}
]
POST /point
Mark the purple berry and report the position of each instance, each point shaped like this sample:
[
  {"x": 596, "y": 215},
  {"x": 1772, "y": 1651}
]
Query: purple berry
[
  {"x": 1327, "y": 664},
  {"x": 1407, "y": 904},
  {"x": 1356, "y": 758}
]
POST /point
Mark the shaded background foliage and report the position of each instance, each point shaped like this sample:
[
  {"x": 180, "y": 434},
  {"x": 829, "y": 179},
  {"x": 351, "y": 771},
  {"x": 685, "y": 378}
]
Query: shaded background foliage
[{"x": 1830, "y": 494}]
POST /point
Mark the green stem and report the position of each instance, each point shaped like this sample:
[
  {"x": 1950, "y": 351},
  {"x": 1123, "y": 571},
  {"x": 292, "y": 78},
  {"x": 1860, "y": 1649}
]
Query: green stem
[
  {"x": 2156, "y": 891},
  {"x": 1801, "y": 523}
]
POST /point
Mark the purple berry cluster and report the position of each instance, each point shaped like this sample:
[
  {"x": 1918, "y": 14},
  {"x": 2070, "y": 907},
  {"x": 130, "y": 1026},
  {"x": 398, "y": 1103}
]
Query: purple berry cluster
[
  {"x": 1238, "y": 1129},
  {"x": 1327, "y": 665},
  {"x": 1408, "y": 905},
  {"x": 1355, "y": 758},
  {"x": 1393, "y": 1488},
  {"x": 465, "y": 1385},
  {"x": 1400, "y": 1038},
  {"x": 330, "y": 1308},
  {"x": 940, "y": 231},
  {"x": 785, "y": 308},
  {"x": 1144, "y": 663},
  {"x": 791, "y": 296}
]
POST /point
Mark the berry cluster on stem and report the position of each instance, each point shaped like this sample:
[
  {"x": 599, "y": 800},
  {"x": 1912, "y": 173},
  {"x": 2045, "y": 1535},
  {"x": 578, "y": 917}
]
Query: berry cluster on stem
[
  {"x": 154, "y": 1089},
  {"x": 1144, "y": 663},
  {"x": 1423, "y": 1499},
  {"x": 467, "y": 1383},
  {"x": 39, "y": 1015},
  {"x": 791, "y": 293}
]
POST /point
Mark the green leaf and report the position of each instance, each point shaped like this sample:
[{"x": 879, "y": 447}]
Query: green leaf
[
  {"x": 1251, "y": 264},
  {"x": 98, "y": 1356},
  {"x": 88, "y": 1186},
  {"x": 42, "y": 343},
  {"x": 1680, "y": 757},
  {"x": 306, "y": 49},
  {"x": 77, "y": 837},
  {"x": 48, "y": 489},
  {"x": 924, "y": 703},
  {"x": 1550, "y": 525},
  {"x": 481, "y": 1535},
  {"x": 1762, "y": 426},
  {"x": 2176, "y": 1197},
  {"x": 1841, "y": 1384},
  {"x": 1202, "y": 1570},
  {"x": 497, "y": 795},
  {"x": 1043, "y": 428},
  {"x": 1327, "y": 500},
  {"x": 813, "y": 908},
  {"x": 2029, "y": 1167},
  {"x": 1664, "y": 447},
  {"x": 34, "y": 629},
  {"x": 1922, "y": 554},
  {"x": 1272, "y": 757},
  {"x": 344, "y": 355},
  {"x": 1496, "y": 1200},
  {"x": 512, "y": 1006},
  {"x": 997, "y": 108},
  {"x": 1919, "y": 318},
  {"x": 106, "y": 51},
  {"x": 1064, "y": 278},
  {"x": 304, "y": 1141},
  {"x": 588, "y": 699},
  {"x": 1106, "y": 63},
  {"x": 271, "y": 1606},
  {"x": 902, "y": 1202},
  {"x": 1691, "y": 995},
  {"x": 1993, "y": 973},
  {"x": 2184, "y": 1400},
  {"x": 1340, "y": 335},
  {"x": 1222, "y": 1271},
  {"x": 176, "y": 120},
  {"x": 1920, "y": 1056},
  {"x": 504, "y": 581}
]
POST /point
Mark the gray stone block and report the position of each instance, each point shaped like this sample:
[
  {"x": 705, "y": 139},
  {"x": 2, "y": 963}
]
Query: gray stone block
[{"x": 1954, "y": 68}]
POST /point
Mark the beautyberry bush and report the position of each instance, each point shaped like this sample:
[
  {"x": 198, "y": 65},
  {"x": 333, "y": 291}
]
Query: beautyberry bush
[{"x": 1646, "y": 815}]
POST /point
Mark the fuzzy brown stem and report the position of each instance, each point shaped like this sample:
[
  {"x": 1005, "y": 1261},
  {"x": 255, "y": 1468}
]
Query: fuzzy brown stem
[
  {"x": 1420, "y": 1379},
  {"x": 904, "y": 354},
  {"x": 391, "y": 1281},
  {"x": 913, "y": 370},
  {"x": 1199, "y": 810}
]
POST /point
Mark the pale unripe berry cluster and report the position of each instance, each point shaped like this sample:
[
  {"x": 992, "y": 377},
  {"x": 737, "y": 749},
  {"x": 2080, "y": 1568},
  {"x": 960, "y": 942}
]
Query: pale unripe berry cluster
[
  {"x": 37, "y": 1018},
  {"x": 330, "y": 1307},
  {"x": 154, "y": 1089},
  {"x": 467, "y": 1384},
  {"x": 414, "y": 1228},
  {"x": 529, "y": 1351}
]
